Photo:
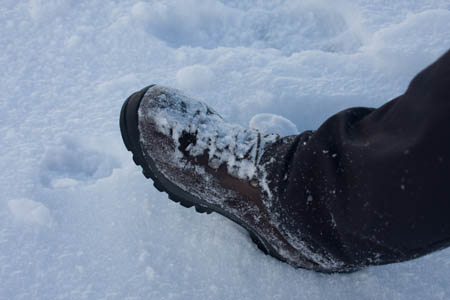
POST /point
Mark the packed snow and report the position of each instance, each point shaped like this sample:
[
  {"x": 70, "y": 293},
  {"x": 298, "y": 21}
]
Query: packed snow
[{"x": 77, "y": 218}]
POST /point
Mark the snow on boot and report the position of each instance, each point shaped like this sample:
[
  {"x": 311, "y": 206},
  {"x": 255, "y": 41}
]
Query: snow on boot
[{"x": 200, "y": 160}]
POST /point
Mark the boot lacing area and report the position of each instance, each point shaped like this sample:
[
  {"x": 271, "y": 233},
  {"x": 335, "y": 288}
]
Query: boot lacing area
[
  {"x": 198, "y": 131},
  {"x": 238, "y": 148}
]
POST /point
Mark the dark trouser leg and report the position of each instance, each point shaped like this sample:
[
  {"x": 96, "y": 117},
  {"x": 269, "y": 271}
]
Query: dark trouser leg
[{"x": 372, "y": 186}]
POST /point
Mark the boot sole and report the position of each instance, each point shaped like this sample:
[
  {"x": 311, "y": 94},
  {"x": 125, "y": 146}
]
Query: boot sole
[{"x": 130, "y": 135}]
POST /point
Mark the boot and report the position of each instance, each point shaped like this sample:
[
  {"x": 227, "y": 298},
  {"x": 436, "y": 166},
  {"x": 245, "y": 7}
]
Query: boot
[{"x": 200, "y": 160}]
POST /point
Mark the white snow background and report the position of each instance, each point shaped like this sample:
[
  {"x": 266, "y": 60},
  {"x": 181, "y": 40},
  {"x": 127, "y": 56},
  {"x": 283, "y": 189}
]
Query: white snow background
[{"x": 77, "y": 218}]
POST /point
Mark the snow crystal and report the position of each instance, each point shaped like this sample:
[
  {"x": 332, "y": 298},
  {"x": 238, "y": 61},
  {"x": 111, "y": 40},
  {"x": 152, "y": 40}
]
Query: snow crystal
[
  {"x": 150, "y": 273},
  {"x": 72, "y": 41}
]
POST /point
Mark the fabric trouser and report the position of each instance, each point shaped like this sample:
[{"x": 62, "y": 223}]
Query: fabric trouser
[{"x": 372, "y": 186}]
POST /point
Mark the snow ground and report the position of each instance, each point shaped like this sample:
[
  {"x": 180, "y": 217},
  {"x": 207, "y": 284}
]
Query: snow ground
[{"x": 79, "y": 221}]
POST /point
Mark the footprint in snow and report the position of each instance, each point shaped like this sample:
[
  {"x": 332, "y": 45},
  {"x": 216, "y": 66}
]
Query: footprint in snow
[
  {"x": 72, "y": 162},
  {"x": 290, "y": 28}
]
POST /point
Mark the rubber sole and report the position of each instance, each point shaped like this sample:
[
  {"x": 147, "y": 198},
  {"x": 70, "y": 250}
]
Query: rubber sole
[{"x": 130, "y": 135}]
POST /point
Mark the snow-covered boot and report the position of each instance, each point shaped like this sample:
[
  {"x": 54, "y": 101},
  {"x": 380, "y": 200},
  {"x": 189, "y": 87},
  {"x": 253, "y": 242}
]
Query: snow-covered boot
[{"x": 200, "y": 160}]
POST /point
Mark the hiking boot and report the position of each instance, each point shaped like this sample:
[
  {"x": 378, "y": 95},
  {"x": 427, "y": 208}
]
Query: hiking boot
[{"x": 199, "y": 160}]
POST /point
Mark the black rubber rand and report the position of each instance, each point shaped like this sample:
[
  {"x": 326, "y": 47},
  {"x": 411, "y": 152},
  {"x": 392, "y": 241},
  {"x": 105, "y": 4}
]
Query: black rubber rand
[{"x": 130, "y": 135}]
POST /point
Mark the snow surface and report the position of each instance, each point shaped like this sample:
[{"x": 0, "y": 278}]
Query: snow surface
[{"x": 77, "y": 218}]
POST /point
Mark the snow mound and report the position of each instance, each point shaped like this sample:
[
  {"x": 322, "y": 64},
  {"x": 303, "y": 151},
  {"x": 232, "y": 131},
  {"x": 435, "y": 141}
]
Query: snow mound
[
  {"x": 30, "y": 212},
  {"x": 194, "y": 77},
  {"x": 271, "y": 123}
]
